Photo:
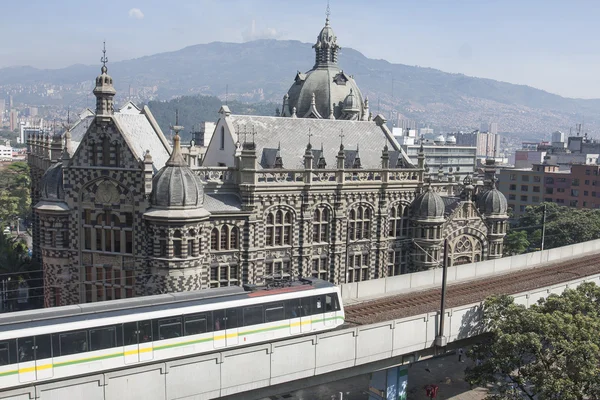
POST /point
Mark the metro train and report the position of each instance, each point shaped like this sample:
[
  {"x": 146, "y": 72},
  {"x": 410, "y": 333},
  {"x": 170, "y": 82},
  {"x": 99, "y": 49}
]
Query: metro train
[{"x": 63, "y": 342}]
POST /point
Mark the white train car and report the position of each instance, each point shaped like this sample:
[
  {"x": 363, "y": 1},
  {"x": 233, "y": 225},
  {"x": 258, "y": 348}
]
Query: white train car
[{"x": 64, "y": 342}]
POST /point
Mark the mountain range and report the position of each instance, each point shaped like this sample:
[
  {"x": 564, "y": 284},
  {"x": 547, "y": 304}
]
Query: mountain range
[{"x": 263, "y": 70}]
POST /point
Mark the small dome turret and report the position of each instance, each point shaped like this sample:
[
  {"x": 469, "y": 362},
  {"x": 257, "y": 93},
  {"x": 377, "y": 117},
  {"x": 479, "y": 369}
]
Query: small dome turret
[
  {"x": 52, "y": 184},
  {"x": 451, "y": 139},
  {"x": 440, "y": 140},
  {"x": 428, "y": 205},
  {"x": 176, "y": 185},
  {"x": 492, "y": 202}
]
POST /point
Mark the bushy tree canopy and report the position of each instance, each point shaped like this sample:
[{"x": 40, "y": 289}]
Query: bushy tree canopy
[
  {"x": 549, "y": 351},
  {"x": 15, "y": 198},
  {"x": 564, "y": 226}
]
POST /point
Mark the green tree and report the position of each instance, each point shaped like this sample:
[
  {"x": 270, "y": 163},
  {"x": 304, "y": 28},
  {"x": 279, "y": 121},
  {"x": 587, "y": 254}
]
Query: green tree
[
  {"x": 515, "y": 242},
  {"x": 15, "y": 201},
  {"x": 549, "y": 351}
]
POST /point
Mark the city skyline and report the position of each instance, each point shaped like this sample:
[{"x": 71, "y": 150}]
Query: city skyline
[{"x": 476, "y": 39}]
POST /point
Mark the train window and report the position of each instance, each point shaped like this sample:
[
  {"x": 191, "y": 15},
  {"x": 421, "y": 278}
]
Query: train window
[
  {"x": 144, "y": 331},
  {"x": 73, "y": 342},
  {"x": 253, "y": 315},
  {"x": 274, "y": 312},
  {"x": 232, "y": 317},
  {"x": 43, "y": 347},
  {"x": 130, "y": 333},
  {"x": 305, "y": 306},
  {"x": 292, "y": 308},
  {"x": 197, "y": 323},
  {"x": 6, "y": 353},
  {"x": 25, "y": 349},
  {"x": 219, "y": 317},
  {"x": 169, "y": 328},
  {"x": 331, "y": 303},
  {"x": 103, "y": 338}
]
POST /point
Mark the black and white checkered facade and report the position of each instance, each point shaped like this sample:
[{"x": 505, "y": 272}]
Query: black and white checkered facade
[{"x": 273, "y": 206}]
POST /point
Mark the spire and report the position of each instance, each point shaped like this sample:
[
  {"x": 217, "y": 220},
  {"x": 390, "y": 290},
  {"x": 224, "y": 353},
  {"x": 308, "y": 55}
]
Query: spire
[
  {"x": 357, "y": 163},
  {"x": 104, "y": 90},
  {"x": 278, "y": 159},
  {"x": 326, "y": 47},
  {"x": 321, "y": 163},
  {"x": 176, "y": 159}
]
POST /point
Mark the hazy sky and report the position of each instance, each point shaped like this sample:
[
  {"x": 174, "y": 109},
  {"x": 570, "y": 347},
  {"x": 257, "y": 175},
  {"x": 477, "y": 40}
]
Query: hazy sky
[{"x": 549, "y": 44}]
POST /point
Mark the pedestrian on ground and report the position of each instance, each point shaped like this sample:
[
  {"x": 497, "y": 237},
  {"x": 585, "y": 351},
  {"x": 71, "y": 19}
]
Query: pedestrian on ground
[{"x": 460, "y": 354}]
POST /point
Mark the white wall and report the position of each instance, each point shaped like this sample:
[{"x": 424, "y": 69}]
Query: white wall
[{"x": 461, "y": 273}]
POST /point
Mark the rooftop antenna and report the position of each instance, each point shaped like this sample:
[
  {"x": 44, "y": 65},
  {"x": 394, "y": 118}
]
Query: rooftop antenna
[
  {"x": 309, "y": 135},
  {"x": 342, "y": 137},
  {"x": 327, "y": 13},
  {"x": 253, "y": 134}
]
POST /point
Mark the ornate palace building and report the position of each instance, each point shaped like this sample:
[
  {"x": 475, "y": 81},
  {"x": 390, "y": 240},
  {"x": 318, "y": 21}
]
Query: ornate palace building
[{"x": 321, "y": 190}]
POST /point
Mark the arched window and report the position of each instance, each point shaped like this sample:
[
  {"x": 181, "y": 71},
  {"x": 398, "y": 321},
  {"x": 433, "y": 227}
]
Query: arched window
[
  {"x": 177, "y": 244},
  {"x": 222, "y": 147},
  {"x": 398, "y": 226},
  {"x": 214, "y": 239},
  {"x": 192, "y": 250},
  {"x": 321, "y": 225},
  {"x": 359, "y": 223},
  {"x": 234, "y": 240},
  {"x": 224, "y": 242},
  {"x": 279, "y": 228}
]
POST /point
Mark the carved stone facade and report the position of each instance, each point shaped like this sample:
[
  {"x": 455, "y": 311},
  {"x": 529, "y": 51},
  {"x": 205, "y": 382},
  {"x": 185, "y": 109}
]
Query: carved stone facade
[{"x": 124, "y": 214}]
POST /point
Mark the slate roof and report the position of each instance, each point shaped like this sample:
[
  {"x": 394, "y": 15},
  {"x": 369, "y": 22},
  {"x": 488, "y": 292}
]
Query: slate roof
[
  {"x": 139, "y": 128},
  {"x": 142, "y": 136},
  {"x": 292, "y": 135},
  {"x": 222, "y": 202}
]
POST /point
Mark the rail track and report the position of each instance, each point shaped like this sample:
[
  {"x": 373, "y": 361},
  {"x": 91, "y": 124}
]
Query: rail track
[{"x": 405, "y": 305}]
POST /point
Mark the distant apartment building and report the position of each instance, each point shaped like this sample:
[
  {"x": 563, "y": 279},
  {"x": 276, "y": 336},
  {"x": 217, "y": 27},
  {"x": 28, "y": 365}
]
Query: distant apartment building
[
  {"x": 2, "y": 108},
  {"x": 487, "y": 143},
  {"x": 578, "y": 188},
  {"x": 13, "y": 119},
  {"x": 6, "y": 153},
  {"x": 440, "y": 154},
  {"x": 576, "y": 150}
]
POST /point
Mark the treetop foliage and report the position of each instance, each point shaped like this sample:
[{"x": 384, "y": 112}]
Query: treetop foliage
[{"x": 549, "y": 351}]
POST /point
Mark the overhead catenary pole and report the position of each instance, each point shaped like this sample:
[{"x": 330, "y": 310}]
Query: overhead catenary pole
[
  {"x": 440, "y": 339},
  {"x": 543, "y": 226}
]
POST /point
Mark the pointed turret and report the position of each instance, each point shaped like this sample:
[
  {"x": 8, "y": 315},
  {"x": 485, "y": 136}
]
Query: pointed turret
[
  {"x": 326, "y": 47},
  {"x": 278, "y": 159},
  {"x": 104, "y": 90},
  {"x": 321, "y": 163},
  {"x": 357, "y": 164}
]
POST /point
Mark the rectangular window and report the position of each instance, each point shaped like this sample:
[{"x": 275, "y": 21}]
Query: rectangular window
[
  {"x": 73, "y": 342},
  {"x": 513, "y": 177},
  {"x": 588, "y": 172},
  {"x": 586, "y": 193},
  {"x": 523, "y": 198},
  {"x": 103, "y": 338},
  {"x": 575, "y": 182},
  {"x": 535, "y": 199},
  {"x": 253, "y": 315},
  {"x": 6, "y": 356},
  {"x": 117, "y": 241},
  {"x": 197, "y": 324},
  {"x": 536, "y": 189},
  {"x": 169, "y": 328},
  {"x": 128, "y": 242},
  {"x": 524, "y": 188},
  {"x": 512, "y": 196},
  {"x": 587, "y": 182},
  {"x": 274, "y": 312},
  {"x": 88, "y": 238},
  {"x": 129, "y": 278},
  {"x": 549, "y": 190},
  {"x": 512, "y": 187},
  {"x": 549, "y": 181},
  {"x": 574, "y": 192},
  {"x": 331, "y": 303},
  {"x": 537, "y": 178},
  {"x": 292, "y": 308},
  {"x": 525, "y": 178}
]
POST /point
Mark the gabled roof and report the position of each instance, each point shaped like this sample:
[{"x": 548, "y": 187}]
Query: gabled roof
[
  {"x": 292, "y": 133},
  {"x": 139, "y": 129},
  {"x": 143, "y": 133}
]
